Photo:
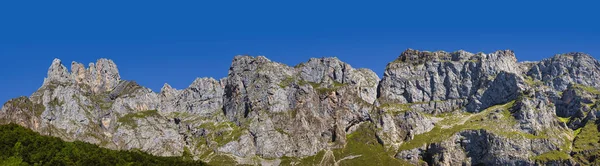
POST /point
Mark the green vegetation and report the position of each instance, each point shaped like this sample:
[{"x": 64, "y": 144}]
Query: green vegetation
[
  {"x": 552, "y": 156},
  {"x": 300, "y": 65},
  {"x": 21, "y": 146},
  {"x": 222, "y": 160},
  {"x": 185, "y": 116},
  {"x": 396, "y": 108},
  {"x": 588, "y": 139},
  {"x": 315, "y": 160},
  {"x": 223, "y": 132},
  {"x": 564, "y": 120},
  {"x": 55, "y": 102},
  {"x": 129, "y": 89},
  {"x": 24, "y": 103},
  {"x": 586, "y": 146},
  {"x": 437, "y": 134},
  {"x": 101, "y": 100},
  {"x": 317, "y": 86},
  {"x": 494, "y": 119},
  {"x": 531, "y": 82},
  {"x": 362, "y": 148},
  {"x": 364, "y": 145},
  {"x": 281, "y": 131},
  {"x": 327, "y": 90},
  {"x": 589, "y": 89},
  {"x": 130, "y": 119},
  {"x": 287, "y": 81},
  {"x": 576, "y": 132},
  {"x": 53, "y": 85}
]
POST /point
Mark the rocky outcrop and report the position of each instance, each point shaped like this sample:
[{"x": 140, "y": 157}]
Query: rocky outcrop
[
  {"x": 564, "y": 69},
  {"x": 578, "y": 104},
  {"x": 23, "y": 112},
  {"x": 430, "y": 108},
  {"x": 203, "y": 97},
  {"x": 450, "y": 80},
  {"x": 484, "y": 148},
  {"x": 296, "y": 111},
  {"x": 100, "y": 77}
]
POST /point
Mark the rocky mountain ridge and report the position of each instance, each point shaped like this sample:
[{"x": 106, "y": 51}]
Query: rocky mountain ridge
[{"x": 430, "y": 108}]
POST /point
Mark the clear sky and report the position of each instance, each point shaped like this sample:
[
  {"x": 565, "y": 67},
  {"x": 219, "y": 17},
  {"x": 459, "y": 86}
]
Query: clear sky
[{"x": 176, "y": 41}]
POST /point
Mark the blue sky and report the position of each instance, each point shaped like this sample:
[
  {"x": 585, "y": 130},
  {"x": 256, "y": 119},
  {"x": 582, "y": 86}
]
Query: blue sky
[{"x": 156, "y": 42}]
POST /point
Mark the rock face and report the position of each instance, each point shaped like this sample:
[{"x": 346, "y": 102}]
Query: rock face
[
  {"x": 446, "y": 80},
  {"x": 296, "y": 111},
  {"x": 564, "y": 69},
  {"x": 430, "y": 108}
]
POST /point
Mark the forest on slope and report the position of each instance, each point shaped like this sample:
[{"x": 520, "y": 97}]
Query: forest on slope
[{"x": 22, "y": 146}]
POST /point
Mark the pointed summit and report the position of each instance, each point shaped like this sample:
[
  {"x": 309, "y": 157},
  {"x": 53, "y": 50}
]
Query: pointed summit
[
  {"x": 57, "y": 73},
  {"x": 100, "y": 77},
  {"x": 166, "y": 87}
]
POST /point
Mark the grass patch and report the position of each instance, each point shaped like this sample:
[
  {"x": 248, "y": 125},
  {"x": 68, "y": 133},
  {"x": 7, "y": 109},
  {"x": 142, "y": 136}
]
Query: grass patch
[
  {"x": 286, "y": 82},
  {"x": 396, "y": 108},
  {"x": 564, "y": 120},
  {"x": 576, "y": 132},
  {"x": 363, "y": 143},
  {"x": 281, "y": 131},
  {"x": 437, "y": 134},
  {"x": 130, "y": 119},
  {"x": 531, "y": 82},
  {"x": 326, "y": 90},
  {"x": 222, "y": 160},
  {"x": 589, "y": 89},
  {"x": 129, "y": 89},
  {"x": 54, "y": 102},
  {"x": 362, "y": 148},
  {"x": 552, "y": 156},
  {"x": 482, "y": 120},
  {"x": 223, "y": 132},
  {"x": 311, "y": 160},
  {"x": 587, "y": 139}
]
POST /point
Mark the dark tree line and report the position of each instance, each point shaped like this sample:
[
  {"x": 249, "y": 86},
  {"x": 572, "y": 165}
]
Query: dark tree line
[{"x": 22, "y": 146}]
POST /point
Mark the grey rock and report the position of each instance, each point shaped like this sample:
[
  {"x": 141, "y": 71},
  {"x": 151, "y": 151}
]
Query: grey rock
[
  {"x": 100, "y": 77},
  {"x": 296, "y": 111},
  {"x": 203, "y": 97},
  {"x": 564, "y": 69},
  {"x": 417, "y": 77},
  {"x": 264, "y": 112}
]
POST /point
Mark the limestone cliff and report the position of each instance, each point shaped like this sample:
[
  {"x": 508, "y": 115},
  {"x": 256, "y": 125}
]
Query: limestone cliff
[{"x": 430, "y": 108}]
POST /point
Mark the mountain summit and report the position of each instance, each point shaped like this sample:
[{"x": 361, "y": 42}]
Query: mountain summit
[{"x": 430, "y": 108}]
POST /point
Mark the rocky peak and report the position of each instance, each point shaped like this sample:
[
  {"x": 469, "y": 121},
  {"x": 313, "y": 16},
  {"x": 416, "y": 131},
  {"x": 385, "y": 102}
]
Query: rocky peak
[
  {"x": 168, "y": 92},
  {"x": 501, "y": 60},
  {"x": 106, "y": 76},
  {"x": 100, "y": 77},
  {"x": 166, "y": 87},
  {"x": 204, "y": 82},
  {"x": 245, "y": 63},
  {"x": 563, "y": 69},
  {"x": 322, "y": 69},
  {"x": 449, "y": 80},
  {"x": 57, "y": 73},
  {"x": 419, "y": 57}
]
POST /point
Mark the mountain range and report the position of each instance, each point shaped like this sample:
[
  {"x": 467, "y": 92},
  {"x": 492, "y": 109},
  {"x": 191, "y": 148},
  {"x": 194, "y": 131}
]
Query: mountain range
[{"x": 429, "y": 108}]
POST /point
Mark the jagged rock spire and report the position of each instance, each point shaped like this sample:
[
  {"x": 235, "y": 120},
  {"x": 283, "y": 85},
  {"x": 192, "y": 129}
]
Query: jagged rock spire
[
  {"x": 57, "y": 73},
  {"x": 101, "y": 76}
]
